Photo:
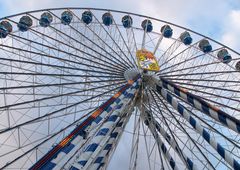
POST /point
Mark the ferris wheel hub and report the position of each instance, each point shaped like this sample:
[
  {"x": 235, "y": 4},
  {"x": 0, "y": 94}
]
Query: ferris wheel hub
[{"x": 130, "y": 74}]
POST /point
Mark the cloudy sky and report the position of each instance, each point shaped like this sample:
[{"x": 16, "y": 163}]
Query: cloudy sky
[{"x": 218, "y": 19}]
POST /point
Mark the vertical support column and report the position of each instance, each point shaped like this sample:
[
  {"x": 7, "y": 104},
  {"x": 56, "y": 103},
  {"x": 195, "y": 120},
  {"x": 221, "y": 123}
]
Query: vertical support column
[
  {"x": 94, "y": 147},
  {"x": 72, "y": 141},
  {"x": 111, "y": 145},
  {"x": 149, "y": 118},
  {"x": 225, "y": 154},
  {"x": 202, "y": 105},
  {"x": 161, "y": 146}
]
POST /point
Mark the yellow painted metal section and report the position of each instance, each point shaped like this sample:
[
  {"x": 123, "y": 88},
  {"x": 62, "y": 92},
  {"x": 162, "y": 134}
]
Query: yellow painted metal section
[{"x": 147, "y": 61}]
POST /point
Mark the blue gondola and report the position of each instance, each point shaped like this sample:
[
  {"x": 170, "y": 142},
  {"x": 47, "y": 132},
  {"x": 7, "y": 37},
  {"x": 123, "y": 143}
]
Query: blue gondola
[
  {"x": 127, "y": 21},
  {"x": 46, "y": 19},
  {"x": 107, "y": 19},
  {"x": 66, "y": 17},
  {"x": 147, "y": 25},
  {"x": 5, "y": 29},
  {"x": 186, "y": 38},
  {"x": 146, "y": 122},
  {"x": 87, "y": 17},
  {"x": 205, "y": 46},
  {"x": 24, "y": 23},
  {"x": 224, "y": 56},
  {"x": 167, "y": 31},
  {"x": 237, "y": 66}
]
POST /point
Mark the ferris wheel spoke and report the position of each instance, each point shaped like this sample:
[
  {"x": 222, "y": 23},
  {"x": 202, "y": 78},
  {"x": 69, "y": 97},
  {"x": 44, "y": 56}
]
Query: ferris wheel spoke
[
  {"x": 60, "y": 76},
  {"x": 126, "y": 59},
  {"x": 85, "y": 70},
  {"x": 60, "y": 84},
  {"x": 158, "y": 44},
  {"x": 29, "y": 62},
  {"x": 126, "y": 95},
  {"x": 190, "y": 52},
  {"x": 57, "y": 96},
  {"x": 161, "y": 145},
  {"x": 43, "y": 142},
  {"x": 132, "y": 39},
  {"x": 210, "y": 127},
  {"x": 135, "y": 143},
  {"x": 203, "y": 86},
  {"x": 197, "y": 142},
  {"x": 49, "y": 134},
  {"x": 61, "y": 119},
  {"x": 190, "y": 60},
  {"x": 112, "y": 141},
  {"x": 125, "y": 44},
  {"x": 194, "y": 68},
  {"x": 225, "y": 154},
  {"x": 144, "y": 35},
  {"x": 56, "y": 111},
  {"x": 12, "y": 62},
  {"x": 60, "y": 42},
  {"x": 213, "y": 95},
  {"x": 23, "y": 144},
  {"x": 171, "y": 140},
  {"x": 171, "y": 49},
  {"x": 202, "y": 73},
  {"x": 184, "y": 143},
  {"x": 146, "y": 146},
  {"x": 214, "y": 155},
  {"x": 220, "y": 104},
  {"x": 42, "y": 64},
  {"x": 184, "y": 130},
  {"x": 120, "y": 61},
  {"x": 204, "y": 80},
  {"x": 77, "y": 56},
  {"x": 180, "y": 125},
  {"x": 107, "y": 64},
  {"x": 54, "y": 75},
  {"x": 205, "y": 107},
  {"x": 46, "y": 74},
  {"x": 190, "y": 69},
  {"x": 76, "y": 30},
  {"x": 162, "y": 150},
  {"x": 47, "y": 105},
  {"x": 132, "y": 36},
  {"x": 149, "y": 106}
]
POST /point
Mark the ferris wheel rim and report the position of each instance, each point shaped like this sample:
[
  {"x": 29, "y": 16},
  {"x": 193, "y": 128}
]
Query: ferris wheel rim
[{"x": 123, "y": 12}]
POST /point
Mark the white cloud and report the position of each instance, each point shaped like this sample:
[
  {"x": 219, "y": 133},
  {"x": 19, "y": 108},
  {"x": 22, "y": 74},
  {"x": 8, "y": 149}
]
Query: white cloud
[{"x": 232, "y": 30}]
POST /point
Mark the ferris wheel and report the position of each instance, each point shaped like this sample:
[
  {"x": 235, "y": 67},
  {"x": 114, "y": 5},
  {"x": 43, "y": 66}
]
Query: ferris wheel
[{"x": 86, "y": 88}]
